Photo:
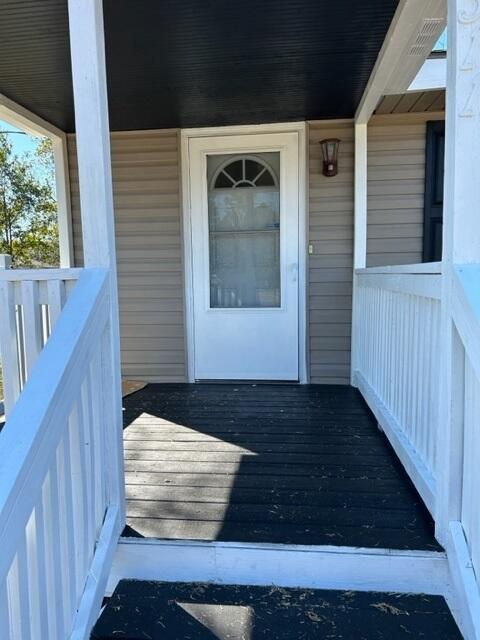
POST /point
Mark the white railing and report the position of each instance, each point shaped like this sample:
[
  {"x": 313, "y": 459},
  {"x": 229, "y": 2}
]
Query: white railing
[
  {"x": 31, "y": 302},
  {"x": 397, "y": 365},
  {"x": 396, "y": 361},
  {"x": 60, "y": 472},
  {"x": 466, "y": 318},
  {"x": 470, "y": 511}
]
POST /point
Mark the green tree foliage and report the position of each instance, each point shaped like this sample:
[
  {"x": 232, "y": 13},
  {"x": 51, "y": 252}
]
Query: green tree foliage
[{"x": 28, "y": 208}]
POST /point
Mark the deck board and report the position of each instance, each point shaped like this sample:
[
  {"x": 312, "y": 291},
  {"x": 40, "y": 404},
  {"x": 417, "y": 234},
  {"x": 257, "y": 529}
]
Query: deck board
[
  {"x": 205, "y": 611},
  {"x": 294, "y": 464}
]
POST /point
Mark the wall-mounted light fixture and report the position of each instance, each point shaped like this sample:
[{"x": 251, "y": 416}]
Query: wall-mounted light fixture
[{"x": 330, "y": 156}]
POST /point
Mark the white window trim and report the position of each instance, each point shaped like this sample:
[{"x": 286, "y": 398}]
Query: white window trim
[
  {"x": 185, "y": 134},
  {"x": 32, "y": 124}
]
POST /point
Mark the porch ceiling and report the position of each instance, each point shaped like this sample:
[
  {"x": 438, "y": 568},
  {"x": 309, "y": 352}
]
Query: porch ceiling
[{"x": 200, "y": 63}]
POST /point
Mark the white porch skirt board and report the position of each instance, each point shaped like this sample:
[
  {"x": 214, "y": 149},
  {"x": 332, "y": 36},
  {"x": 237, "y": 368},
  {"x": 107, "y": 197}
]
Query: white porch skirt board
[{"x": 319, "y": 567}]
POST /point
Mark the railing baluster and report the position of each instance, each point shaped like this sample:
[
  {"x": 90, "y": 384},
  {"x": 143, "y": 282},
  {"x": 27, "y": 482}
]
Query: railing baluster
[
  {"x": 14, "y": 603},
  {"x": 415, "y": 371},
  {"x": 37, "y": 572},
  {"x": 98, "y": 437},
  {"x": 397, "y": 359},
  {"x": 88, "y": 457},
  {"x": 45, "y": 324},
  {"x": 4, "y": 612},
  {"x": 67, "y": 534},
  {"x": 53, "y": 559},
  {"x": 54, "y": 507},
  {"x": 435, "y": 354},
  {"x": 9, "y": 345},
  {"x": 20, "y": 342},
  {"x": 23, "y": 615},
  {"x": 31, "y": 570},
  {"x": 396, "y": 346},
  {"x": 32, "y": 326},
  {"x": 31, "y": 304},
  {"x": 426, "y": 395},
  {"x": 79, "y": 492},
  {"x": 56, "y": 300},
  {"x": 69, "y": 284}
]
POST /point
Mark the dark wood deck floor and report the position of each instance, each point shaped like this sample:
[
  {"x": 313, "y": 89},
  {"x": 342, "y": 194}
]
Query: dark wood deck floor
[
  {"x": 266, "y": 463},
  {"x": 161, "y": 611}
]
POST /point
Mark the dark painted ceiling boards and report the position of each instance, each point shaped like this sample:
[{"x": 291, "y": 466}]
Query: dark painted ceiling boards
[{"x": 188, "y": 63}]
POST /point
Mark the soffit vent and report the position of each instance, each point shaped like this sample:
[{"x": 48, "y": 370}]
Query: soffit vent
[{"x": 422, "y": 45}]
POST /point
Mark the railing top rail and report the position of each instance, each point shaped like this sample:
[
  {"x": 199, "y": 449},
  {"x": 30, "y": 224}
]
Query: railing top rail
[
  {"x": 15, "y": 275},
  {"x": 35, "y": 425},
  {"x": 423, "y": 285},
  {"x": 434, "y": 268}
]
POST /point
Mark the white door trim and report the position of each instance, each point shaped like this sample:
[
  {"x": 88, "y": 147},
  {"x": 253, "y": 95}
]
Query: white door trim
[{"x": 185, "y": 135}]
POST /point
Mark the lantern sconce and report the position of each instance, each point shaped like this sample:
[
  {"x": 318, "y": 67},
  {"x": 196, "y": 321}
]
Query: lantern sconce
[{"x": 330, "y": 156}]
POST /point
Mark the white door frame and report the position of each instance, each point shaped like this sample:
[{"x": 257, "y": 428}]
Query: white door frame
[{"x": 186, "y": 134}]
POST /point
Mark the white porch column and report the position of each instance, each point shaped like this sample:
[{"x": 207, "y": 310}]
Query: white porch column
[
  {"x": 96, "y": 196},
  {"x": 360, "y": 217},
  {"x": 360, "y": 225},
  {"x": 462, "y": 145},
  {"x": 461, "y": 238}
]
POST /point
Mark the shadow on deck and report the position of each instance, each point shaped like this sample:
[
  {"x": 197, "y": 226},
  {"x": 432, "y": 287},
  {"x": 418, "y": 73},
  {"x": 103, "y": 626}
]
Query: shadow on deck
[{"x": 266, "y": 463}]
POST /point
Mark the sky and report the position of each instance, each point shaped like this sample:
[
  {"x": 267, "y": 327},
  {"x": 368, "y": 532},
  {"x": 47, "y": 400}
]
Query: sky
[
  {"x": 442, "y": 42},
  {"x": 22, "y": 143}
]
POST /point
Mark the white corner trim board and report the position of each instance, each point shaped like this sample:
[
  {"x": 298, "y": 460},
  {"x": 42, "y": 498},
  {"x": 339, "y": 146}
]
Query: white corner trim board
[
  {"x": 321, "y": 567},
  {"x": 34, "y": 125},
  {"x": 465, "y": 603}
]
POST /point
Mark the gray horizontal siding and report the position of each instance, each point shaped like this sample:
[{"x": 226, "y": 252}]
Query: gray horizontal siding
[
  {"x": 149, "y": 242},
  {"x": 149, "y": 251},
  {"x": 396, "y": 173},
  {"x": 330, "y": 266}
]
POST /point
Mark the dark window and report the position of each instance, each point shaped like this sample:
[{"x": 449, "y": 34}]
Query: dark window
[
  {"x": 265, "y": 179},
  {"x": 433, "y": 212}
]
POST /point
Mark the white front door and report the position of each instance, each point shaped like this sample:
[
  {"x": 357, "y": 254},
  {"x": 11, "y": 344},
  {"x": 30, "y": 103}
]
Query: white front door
[{"x": 244, "y": 201}]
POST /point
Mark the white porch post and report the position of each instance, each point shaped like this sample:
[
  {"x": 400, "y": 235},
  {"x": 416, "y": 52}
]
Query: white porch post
[
  {"x": 360, "y": 226},
  {"x": 461, "y": 238},
  {"x": 360, "y": 239},
  {"x": 96, "y": 196}
]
